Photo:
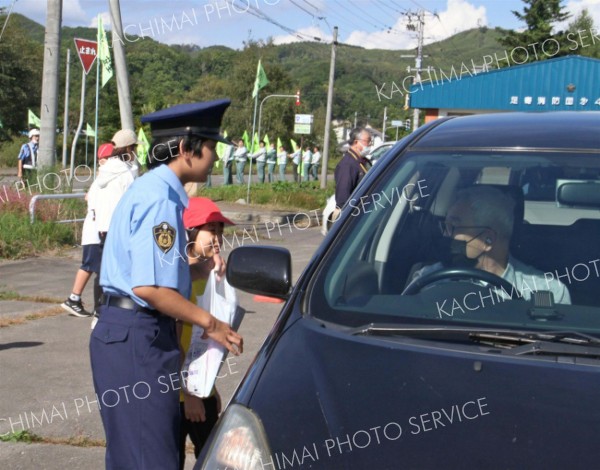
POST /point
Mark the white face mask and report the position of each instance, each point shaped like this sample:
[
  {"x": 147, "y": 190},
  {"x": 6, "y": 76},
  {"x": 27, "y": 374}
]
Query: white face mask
[{"x": 366, "y": 150}]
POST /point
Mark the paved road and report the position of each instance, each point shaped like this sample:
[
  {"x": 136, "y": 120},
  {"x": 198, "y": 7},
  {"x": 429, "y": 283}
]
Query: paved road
[{"x": 46, "y": 384}]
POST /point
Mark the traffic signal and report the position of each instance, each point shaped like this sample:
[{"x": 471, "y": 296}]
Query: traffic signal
[
  {"x": 298, "y": 98},
  {"x": 407, "y": 124}
]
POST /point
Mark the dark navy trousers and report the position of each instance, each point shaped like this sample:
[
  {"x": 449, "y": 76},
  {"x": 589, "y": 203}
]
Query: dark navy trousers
[{"x": 135, "y": 365}]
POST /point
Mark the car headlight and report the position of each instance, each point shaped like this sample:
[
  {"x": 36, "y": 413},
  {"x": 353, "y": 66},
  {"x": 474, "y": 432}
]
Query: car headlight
[{"x": 240, "y": 442}]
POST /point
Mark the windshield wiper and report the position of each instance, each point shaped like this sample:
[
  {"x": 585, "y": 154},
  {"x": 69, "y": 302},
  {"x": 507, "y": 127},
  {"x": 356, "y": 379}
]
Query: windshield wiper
[{"x": 518, "y": 342}]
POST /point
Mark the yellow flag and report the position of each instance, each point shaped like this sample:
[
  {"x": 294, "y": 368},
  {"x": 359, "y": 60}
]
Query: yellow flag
[
  {"x": 32, "y": 119},
  {"x": 104, "y": 54}
]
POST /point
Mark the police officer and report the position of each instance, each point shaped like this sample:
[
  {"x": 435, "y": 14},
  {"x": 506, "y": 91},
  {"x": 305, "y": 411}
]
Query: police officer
[
  {"x": 146, "y": 281},
  {"x": 353, "y": 165},
  {"x": 28, "y": 157}
]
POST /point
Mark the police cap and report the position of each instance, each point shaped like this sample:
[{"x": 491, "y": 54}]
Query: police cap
[{"x": 201, "y": 119}]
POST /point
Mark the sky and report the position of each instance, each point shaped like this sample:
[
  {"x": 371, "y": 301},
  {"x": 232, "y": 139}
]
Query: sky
[{"x": 379, "y": 24}]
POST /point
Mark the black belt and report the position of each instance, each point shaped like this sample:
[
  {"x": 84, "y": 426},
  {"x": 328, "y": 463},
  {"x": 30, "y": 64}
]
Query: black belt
[{"x": 113, "y": 300}]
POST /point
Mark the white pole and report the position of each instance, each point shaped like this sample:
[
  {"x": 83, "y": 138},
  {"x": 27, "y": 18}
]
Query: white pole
[
  {"x": 252, "y": 149},
  {"x": 96, "y": 115},
  {"x": 79, "y": 126}
]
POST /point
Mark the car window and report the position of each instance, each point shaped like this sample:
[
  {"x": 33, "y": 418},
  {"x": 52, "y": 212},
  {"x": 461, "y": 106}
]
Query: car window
[{"x": 407, "y": 251}]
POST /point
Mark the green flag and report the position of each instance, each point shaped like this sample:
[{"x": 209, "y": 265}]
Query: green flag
[
  {"x": 261, "y": 80},
  {"x": 266, "y": 141},
  {"x": 246, "y": 139},
  {"x": 254, "y": 143},
  {"x": 221, "y": 149},
  {"x": 279, "y": 144},
  {"x": 32, "y": 119},
  {"x": 104, "y": 54},
  {"x": 143, "y": 148},
  {"x": 89, "y": 132},
  {"x": 294, "y": 145}
]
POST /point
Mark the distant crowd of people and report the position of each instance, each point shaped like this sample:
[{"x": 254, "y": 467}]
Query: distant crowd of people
[{"x": 271, "y": 163}]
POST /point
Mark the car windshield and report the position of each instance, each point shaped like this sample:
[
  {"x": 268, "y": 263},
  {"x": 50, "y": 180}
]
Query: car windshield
[{"x": 498, "y": 239}]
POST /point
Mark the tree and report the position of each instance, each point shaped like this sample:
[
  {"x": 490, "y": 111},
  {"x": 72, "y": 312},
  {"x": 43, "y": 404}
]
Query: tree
[
  {"x": 20, "y": 77},
  {"x": 581, "y": 36},
  {"x": 538, "y": 41}
]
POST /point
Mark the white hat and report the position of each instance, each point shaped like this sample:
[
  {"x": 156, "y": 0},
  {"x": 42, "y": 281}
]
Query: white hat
[
  {"x": 125, "y": 138},
  {"x": 33, "y": 132}
]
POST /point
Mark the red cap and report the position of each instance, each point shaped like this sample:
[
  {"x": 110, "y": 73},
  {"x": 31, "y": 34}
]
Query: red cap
[
  {"x": 105, "y": 151},
  {"x": 200, "y": 211}
]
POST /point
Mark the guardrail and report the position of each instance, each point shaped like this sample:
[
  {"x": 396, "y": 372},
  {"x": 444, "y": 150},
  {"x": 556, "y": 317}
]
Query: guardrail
[{"x": 38, "y": 197}]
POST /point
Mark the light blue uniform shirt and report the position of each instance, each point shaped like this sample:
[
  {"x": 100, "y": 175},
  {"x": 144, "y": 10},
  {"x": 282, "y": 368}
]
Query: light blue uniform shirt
[{"x": 145, "y": 245}]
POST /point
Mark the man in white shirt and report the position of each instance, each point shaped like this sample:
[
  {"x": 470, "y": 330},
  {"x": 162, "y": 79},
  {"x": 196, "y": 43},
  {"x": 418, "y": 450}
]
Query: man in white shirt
[
  {"x": 241, "y": 156},
  {"x": 282, "y": 162},
  {"x": 261, "y": 160},
  {"x": 315, "y": 163},
  {"x": 306, "y": 162}
]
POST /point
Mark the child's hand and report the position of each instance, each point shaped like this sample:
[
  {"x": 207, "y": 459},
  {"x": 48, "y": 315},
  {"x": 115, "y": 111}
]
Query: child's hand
[
  {"x": 219, "y": 266},
  {"x": 194, "y": 408}
]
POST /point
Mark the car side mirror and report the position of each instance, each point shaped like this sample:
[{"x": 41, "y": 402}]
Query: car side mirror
[{"x": 263, "y": 270}]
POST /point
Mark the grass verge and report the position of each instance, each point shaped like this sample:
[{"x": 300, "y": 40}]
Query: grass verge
[
  {"x": 29, "y": 438},
  {"x": 279, "y": 195}
]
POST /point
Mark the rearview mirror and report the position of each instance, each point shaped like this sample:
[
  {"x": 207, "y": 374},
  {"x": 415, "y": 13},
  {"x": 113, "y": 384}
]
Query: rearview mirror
[
  {"x": 263, "y": 270},
  {"x": 578, "y": 193}
]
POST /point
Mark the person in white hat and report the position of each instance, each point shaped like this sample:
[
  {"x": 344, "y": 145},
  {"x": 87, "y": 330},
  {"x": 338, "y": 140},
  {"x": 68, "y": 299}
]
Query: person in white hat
[{"x": 28, "y": 157}]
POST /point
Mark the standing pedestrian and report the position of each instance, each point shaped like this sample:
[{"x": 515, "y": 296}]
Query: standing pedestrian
[
  {"x": 27, "y": 165},
  {"x": 271, "y": 162},
  {"x": 306, "y": 160},
  {"x": 296, "y": 159},
  {"x": 91, "y": 246},
  {"x": 261, "y": 159},
  {"x": 282, "y": 162},
  {"x": 146, "y": 281},
  {"x": 241, "y": 156},
  {"x": 227, "y": 160},
  {"x": 315, "y": 163},
  {"x": 353, "y": 166}
]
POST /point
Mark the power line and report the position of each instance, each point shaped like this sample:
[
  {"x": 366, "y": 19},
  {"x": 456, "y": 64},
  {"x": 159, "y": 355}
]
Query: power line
[
  {"x": 7, "y": 18},
  {"x": 395, "y": 9},
  {"x": 310, "y": 4},
  {"x": 303, "y": 9},
  {"x": 389, "y": 28}
]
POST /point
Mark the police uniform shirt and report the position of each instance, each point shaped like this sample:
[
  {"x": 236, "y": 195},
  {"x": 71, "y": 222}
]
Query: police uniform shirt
[
  {"x": 145, "y": 245},
  {"x": 28, "y": 154}
]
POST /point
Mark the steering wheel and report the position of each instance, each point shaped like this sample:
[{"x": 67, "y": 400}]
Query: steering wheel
[{"x": 461, "y": 273}]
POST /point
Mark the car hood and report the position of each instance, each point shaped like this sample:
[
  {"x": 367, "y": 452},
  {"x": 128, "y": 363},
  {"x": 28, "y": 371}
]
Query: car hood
[{"x": 328, "y": 399}]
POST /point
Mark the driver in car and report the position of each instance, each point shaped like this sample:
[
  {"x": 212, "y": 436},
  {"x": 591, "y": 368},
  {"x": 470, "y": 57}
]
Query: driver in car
[{"x": 479, "y": 226}]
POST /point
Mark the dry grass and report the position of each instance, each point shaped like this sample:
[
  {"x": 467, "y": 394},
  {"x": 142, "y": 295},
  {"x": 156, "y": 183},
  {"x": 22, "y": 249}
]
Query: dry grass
[{"x": 49, "y": 312}]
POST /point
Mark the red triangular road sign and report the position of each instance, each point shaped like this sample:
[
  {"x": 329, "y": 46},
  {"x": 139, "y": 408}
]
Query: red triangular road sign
[{"x": 87, "y": 51}]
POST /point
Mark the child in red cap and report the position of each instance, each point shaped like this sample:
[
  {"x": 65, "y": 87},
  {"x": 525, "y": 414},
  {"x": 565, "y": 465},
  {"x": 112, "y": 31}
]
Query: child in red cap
[{"x": 204, "y": 224}]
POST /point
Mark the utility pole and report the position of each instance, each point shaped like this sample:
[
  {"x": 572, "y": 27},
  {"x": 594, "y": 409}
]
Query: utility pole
[
  {"x": 384, "y": 121},
  {"x": 329, "y": 110},
  {"x": 419, "y": 62},
  {"x": 121, "y": 67},
  {"x": 49, "y": 106},
  {"x": 420, "y": 28}
]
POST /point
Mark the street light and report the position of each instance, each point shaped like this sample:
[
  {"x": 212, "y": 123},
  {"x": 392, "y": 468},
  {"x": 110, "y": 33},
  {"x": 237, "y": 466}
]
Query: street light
[{"x": 296, "y": 97}]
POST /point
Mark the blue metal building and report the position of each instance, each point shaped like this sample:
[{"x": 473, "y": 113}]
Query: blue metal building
[{"x": 570, "y": 83}]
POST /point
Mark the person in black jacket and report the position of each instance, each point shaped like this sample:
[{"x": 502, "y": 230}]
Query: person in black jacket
[{"x": 353, "y": 165}]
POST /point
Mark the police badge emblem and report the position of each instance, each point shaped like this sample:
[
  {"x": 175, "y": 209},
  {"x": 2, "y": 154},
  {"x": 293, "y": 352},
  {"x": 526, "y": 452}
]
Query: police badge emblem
[{"x": 164, "y": 236}]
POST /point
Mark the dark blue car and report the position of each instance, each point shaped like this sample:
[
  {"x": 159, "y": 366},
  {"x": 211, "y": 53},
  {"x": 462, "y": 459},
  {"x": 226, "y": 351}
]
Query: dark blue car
[{"x": 450, "y": 319}]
